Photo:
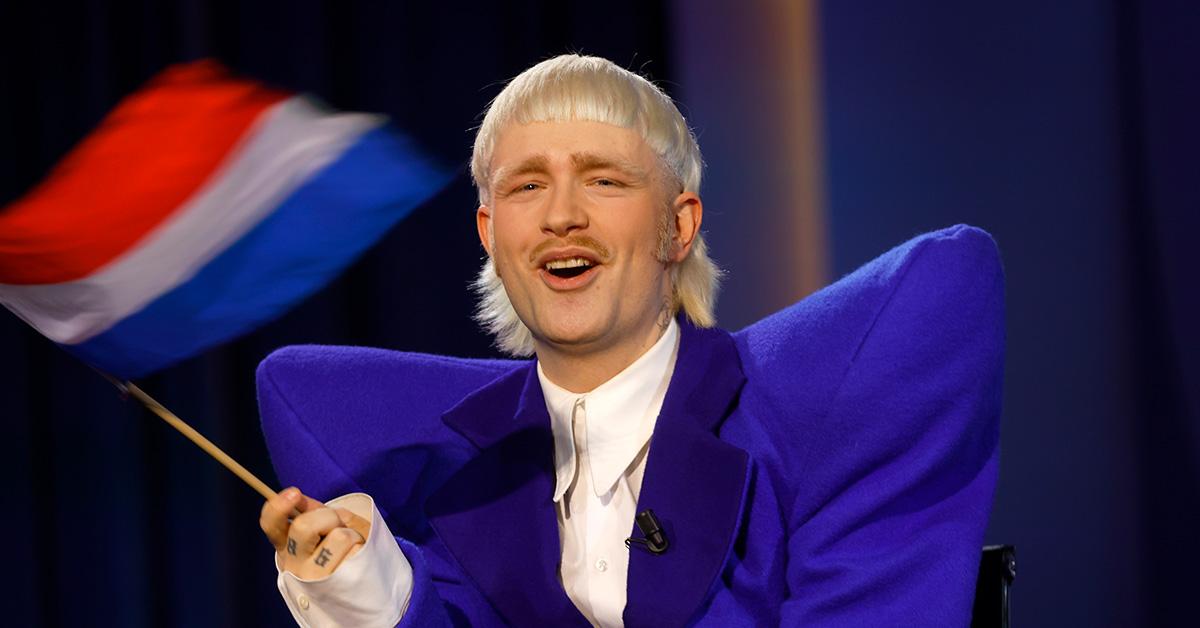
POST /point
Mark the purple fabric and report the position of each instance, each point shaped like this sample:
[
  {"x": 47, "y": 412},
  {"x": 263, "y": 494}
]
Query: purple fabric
[{"x": 831, "y": 465}]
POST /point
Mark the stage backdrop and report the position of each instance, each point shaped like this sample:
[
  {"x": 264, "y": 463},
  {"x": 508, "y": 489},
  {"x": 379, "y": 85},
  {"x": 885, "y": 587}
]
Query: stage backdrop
[
  {"x": 833, "y": 131},
  {"x": 1067, "y": 129}
]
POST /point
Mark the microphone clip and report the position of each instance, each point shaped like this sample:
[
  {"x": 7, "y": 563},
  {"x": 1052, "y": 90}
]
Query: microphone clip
[{"x": 654, "y": 538}]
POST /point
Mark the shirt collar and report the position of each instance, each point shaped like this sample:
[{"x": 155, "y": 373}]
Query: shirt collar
[{"x": 621, "y": 414}]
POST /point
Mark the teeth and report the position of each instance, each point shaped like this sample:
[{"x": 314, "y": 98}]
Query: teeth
[{"x": 572, "y": 262}]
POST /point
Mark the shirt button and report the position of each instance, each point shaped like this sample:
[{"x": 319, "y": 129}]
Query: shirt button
[
  {"x": 602, "y": 565},
  {"x": 303, "y": 602}
]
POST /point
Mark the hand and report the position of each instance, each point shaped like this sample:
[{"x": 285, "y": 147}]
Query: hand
[{"x": 310, "y": 538}]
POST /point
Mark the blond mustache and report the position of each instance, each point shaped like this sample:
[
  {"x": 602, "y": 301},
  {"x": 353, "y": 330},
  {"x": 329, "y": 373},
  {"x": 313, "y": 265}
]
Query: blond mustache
[{"x": 581, "y": 241}]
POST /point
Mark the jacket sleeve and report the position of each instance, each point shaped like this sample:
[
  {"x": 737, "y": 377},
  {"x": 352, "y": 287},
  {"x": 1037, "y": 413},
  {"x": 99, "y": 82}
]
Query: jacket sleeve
[
  {"x": 301, "y": 460},
  {"x": 898, "y": 476}
]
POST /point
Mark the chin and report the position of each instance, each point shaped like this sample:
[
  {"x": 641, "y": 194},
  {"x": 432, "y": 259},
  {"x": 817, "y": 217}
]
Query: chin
[
  {"x": 570, "y": 337},
  {"x": 570, "y": 331}
]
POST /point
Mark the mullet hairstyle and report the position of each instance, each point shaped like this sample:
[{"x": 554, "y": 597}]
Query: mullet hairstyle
[{"x": 575, "y": 87}]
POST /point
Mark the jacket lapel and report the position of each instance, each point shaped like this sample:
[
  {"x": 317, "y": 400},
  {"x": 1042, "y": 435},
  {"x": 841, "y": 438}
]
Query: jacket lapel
[
  {"x": 496, "y": 515},
  {"x": 694, "y": 482}
]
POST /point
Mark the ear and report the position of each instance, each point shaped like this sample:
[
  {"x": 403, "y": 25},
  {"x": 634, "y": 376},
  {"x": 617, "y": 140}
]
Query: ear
[
  {"x": 483, "y": 223},
  {"x": 688, "y": 214}
]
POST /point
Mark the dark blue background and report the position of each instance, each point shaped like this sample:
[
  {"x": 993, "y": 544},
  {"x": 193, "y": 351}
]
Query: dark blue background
[
  {"x": 1069, "y": 130},
  {"x": 1066, "y": 129}
]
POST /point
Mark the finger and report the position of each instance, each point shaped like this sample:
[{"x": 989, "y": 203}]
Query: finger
[
  {"x": 275, "y": 515},
  {"x": 308, "y": 528},
  {"x": 355, "y": 522},
  {"x": 331, "y": 552},
  {"x": 307, "y": 504}
]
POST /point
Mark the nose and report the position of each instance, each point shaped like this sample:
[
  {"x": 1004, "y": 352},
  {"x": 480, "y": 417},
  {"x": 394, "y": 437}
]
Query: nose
[{"x": 564, "y": 212}]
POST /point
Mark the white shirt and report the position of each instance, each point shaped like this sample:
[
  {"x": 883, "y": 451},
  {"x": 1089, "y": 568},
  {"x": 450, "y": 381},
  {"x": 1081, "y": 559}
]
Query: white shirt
[
  {"x": 601, "y": 439},
  {"x": 600, "y": 443}
]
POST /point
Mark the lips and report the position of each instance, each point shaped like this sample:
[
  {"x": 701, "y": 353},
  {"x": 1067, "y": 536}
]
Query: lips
[{"x": 568, "y": 268}]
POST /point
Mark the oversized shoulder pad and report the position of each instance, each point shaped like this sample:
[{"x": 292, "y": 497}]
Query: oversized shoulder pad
[
  {"x": 344, "y": 419},
  {"x": 941, "y": 291}
]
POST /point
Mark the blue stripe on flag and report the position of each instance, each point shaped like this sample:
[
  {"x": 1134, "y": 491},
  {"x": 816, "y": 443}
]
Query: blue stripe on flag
[{"x": 322, "y": 227}]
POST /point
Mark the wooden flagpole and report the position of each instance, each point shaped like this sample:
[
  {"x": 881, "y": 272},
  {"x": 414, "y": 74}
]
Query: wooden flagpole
[
  {"x": 129, "y": 388},
  {"x": 203, "y": 443},
  {"x": 358, "y": 524}
]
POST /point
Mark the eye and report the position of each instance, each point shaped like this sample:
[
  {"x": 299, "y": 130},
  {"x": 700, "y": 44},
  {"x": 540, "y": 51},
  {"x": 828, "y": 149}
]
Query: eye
[
  {"x": 526, "y": 187},
  {"x": 606, "y": 182}
]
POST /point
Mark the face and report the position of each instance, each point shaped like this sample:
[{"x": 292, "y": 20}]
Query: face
[{"x": 573, "y": 227}]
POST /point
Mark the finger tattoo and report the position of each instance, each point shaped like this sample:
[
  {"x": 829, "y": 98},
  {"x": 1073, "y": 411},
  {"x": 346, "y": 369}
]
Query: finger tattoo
[
  {"x": 323, "y": 557},
  {"x": 291, "y": 547}
]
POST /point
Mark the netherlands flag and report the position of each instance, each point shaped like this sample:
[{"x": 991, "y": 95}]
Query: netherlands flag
[{"x": 202, "y": 206}]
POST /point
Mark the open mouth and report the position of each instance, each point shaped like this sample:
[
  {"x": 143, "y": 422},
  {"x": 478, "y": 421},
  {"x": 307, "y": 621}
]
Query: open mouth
[{"x": 569, "y": 267}]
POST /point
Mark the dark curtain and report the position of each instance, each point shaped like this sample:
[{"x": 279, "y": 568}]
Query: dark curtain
[
  {"x": 1160, "y": 44},
  {"x": 113, "y": 519}
]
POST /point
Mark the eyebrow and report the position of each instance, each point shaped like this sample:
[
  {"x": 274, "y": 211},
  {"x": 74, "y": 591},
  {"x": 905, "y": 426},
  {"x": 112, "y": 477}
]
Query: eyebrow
[
  {"x": 531, "y": 165},
  {"x": 582, "y": 162},
  {"x": 594, "y": 161}
]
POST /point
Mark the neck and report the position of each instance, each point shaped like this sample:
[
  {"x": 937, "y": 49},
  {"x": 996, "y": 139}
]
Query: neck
[{"x": 583, "y": 370}]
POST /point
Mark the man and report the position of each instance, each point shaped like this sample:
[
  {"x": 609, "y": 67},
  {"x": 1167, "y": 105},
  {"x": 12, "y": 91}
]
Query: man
[{"x": 831, "y": 465}]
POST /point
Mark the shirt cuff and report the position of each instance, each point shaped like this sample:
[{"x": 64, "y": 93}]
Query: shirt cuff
[{"x": 370, "y": 588}]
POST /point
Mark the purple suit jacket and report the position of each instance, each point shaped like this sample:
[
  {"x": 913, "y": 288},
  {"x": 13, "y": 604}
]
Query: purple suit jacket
[{"x": 831, "y": 465}]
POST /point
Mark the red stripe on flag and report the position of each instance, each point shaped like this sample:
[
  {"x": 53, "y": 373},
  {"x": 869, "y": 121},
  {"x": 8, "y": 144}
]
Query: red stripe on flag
[{"x": 147, "y": 157}]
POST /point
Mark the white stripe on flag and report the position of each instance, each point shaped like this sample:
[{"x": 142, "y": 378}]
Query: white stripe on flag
[{"x": 284, "y": 147}]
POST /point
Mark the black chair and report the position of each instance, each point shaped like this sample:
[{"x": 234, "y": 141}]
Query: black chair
[{"x": 997, "y": 569}]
